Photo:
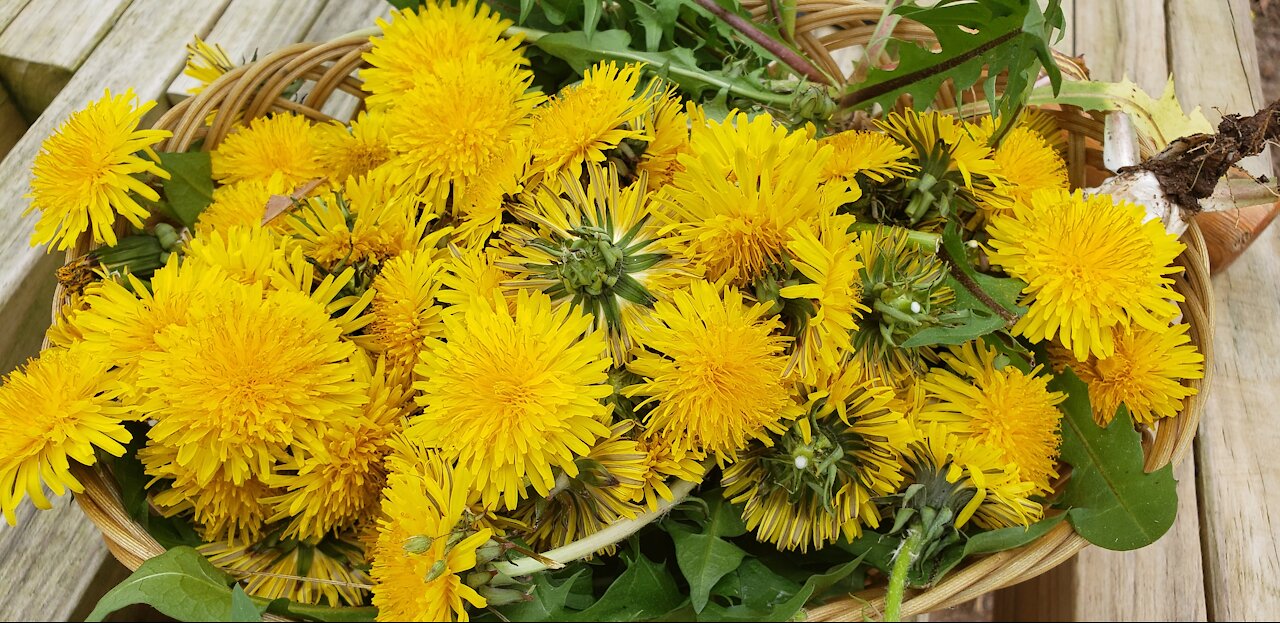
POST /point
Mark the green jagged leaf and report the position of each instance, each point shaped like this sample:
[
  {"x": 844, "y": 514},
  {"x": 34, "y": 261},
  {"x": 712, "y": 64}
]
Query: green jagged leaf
[
  {"x": 677, "y": 64},
  {"x": 756, "y": 585},
  {"x": 1162, "y": 120},
  {"x": 550, "y": 600},
  {"x": 658, "y": 20},
  {"x": 1111, "y": 500},
  {"x": 179, "y": 583},
  {"x": 243, "y": 608},
  {"x": 704, "y": 559},
  {"x": 1004, "y": 36},
  {"x": 781, "y": 605},
  {"x": 645, "y": 590},
  {"x": 189, "y": 189}
]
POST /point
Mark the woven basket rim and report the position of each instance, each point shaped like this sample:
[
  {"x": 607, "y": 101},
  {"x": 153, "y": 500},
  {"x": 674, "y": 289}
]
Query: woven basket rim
[{"x": 255, "y": 89}]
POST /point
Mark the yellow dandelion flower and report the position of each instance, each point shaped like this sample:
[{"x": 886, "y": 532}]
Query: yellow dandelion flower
[
  {"x": 351, "y": 151},
  {"x": 967, "y": 150},
  {"x": 714, "y": 376},
  {"x": 745, "y": 184},
  {"x": 666, "y": 123},
  {"x": 1029, "y": 163},
  {"x": 280, "y": 144},
  {"x": 665, "y": 461},
  {"x": 970, "y": 479},
  {"x": 828, "y": 260},
  {"x": 461, "y": 121},
  {"x": 405, "y": 311},
  {"x": 119, "y": 324},
  {"x": 222, "y": 510},
  {"x": 1092, "y": 267},
  {"x": 513, "y": 394},
  {"x": 1145, "y": 374},
  {"x": 336, "y": 232},
  {"x": 471, "y": 274},
  {"x": 334, "y": 490},
  {"x": 817, "y": 484},
  {"x": 249, "y": 375},
  {"x": 593, "y": 247},
  {"x": 425, "y": 545},
  {"x": 242, "y": 204},
  {"x": 86, "y": 172},
  {"x": 329, "y": 573},
  {"x": 59, "y": 408},
  {"x": 587, "y": 119},
  {"x": 1006, "y": 409},
  {"x": 480, "y": 209},
  {"x": 247, "y": 254},
  {"x": 298, "y": 274},
  {"x": 205, "y": 63},
  {"x": 415, "y": 43},
  {"x": 612, "y": 473},
  {"x": 872, "y": 154}
]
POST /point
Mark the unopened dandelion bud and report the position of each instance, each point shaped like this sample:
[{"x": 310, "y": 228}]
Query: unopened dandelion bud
[
  {"x": 502, "y": 596},
  {"x": 476, "y": 579},
  {"x": 167, "y": 235},
  {"x": 417, "y": 544},
  {"x": 437, "y": 569},
  {"x": 491, "y": 550}
]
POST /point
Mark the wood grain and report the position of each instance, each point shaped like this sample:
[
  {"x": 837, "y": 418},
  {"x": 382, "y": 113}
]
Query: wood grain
[
  {"x": 337, "y": 19},
  {"x": 12, "y": 122},
  {"x": 49, "y": 559},
  {"x": 251, "y": 29},
  {"x": 1237, "y": 458},
  {"x": 47, "y": 42}
]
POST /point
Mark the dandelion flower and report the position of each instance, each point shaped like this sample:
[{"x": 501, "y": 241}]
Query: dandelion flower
[
  {"x": 828, "y": 260},
  {"x": 1006, "y": 409},
  {"x": 818, "y": 482},
  {"x": 57, "y": 409},
  {"x": 970, "y": 479},
  {"x": 1029, "y": 163},
  {"x": 871, "y": 154},
  {"x": 425, "y": 547},
  {"x": 326, "y": 491},
  {"x": 594, "y": 247},
  {"x": 280, "y": 144},
  {"x": 665, "y": 461},
  {"x": 325, "y": 574},
  {"x": 86, "y": 172},
  {"x": 666, "y": 123},
  {"x": 247, "y": 254},
  {"x": 1145, "y": 374},
  {"x": 221, "y": 509},
  {"x": 462, "y": 121},
  {"x": 1092, "y": 267},
  {"x": 242, "y": 204},
  {"x": 513, "y": 394},
  {"x": 205, "y": 63},
  {"x": 745, "y": 184},
  {"x": 415, "y": 43},
  {"x": 714, "y": 376},
  {"x": 613, "y": 472},
  {"x": 352, "y": 151},
  {"x": 405, "y": 311},
  {"x": 336, "y": 232},
  {"x": 585, "y": 120},
  {"x": 251, "y": 374},
  {"x": 471, "y": 274}
]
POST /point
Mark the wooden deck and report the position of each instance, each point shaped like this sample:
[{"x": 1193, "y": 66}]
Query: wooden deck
[{"x": 1221, "y": 561}]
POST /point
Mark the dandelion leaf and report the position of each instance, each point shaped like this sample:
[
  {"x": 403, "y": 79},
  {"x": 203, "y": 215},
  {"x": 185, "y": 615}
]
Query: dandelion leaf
[{"x": 1161, "y": 120}]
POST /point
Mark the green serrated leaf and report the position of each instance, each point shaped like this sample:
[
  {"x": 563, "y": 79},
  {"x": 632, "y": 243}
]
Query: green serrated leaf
[
  {"x": 1003, "y": 539},
  {"x": 645, "y": 590},
  {"x": 1111, "y": 500},
  {"x": 549, "y": 600},
  {"x": 785, "y": 610},
  {"x": 590, "y": 17},
  {"x": 189, "y": 189},
  {"x": 179, "y": 583},
  {"x": 243, "y": 608},
  {"x": 756, "y": 585},
  {"x": 704, "y": 559}
]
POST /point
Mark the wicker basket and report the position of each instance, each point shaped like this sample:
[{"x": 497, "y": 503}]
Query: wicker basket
[{"x": 256, "y": 89}]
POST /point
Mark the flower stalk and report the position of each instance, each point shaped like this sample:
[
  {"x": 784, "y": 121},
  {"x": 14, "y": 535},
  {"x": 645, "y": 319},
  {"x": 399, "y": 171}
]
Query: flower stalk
[{"x": 898, "y": 575}]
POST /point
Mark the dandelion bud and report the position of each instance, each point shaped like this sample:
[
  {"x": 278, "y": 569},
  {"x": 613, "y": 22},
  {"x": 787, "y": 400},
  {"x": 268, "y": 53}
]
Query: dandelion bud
[
  {"x": 417, "y": 544},
  {"x": 437, "y": 569}
]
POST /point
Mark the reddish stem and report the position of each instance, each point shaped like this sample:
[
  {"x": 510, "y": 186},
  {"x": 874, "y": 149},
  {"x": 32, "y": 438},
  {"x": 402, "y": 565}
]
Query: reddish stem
[{"x": 797, "y": 63}]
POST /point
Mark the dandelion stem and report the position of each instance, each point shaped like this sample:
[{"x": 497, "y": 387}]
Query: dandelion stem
[
  {"x": 898, "y": 575},
  {"x": 591, "y": 543},
  {"x": 923, "y": 239}
]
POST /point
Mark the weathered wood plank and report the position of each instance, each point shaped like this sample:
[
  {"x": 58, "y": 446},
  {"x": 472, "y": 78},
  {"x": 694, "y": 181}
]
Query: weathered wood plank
[
  {"x": 1213, "y": 54},
  {"x": 12, "y": 123},
  {"x": 47, "y": 41},
  {"x": 1122, "y": 38},
  {"x": 46, "y": 562},
  {"x": 250, "y": 29}
]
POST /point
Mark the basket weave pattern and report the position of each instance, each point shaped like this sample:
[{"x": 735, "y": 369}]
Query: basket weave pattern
[{"x": 258, "y": 89}]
